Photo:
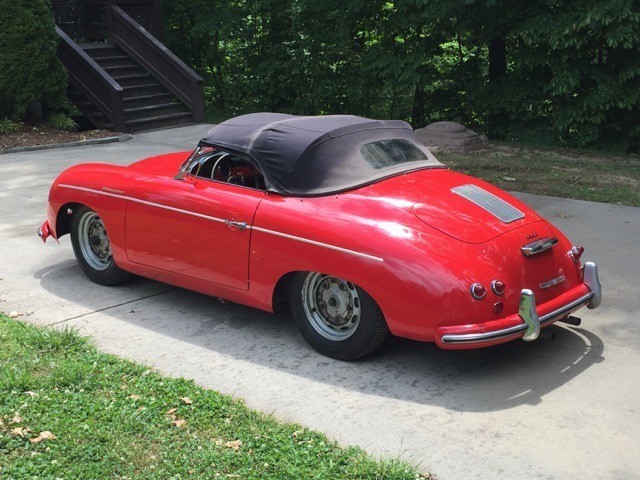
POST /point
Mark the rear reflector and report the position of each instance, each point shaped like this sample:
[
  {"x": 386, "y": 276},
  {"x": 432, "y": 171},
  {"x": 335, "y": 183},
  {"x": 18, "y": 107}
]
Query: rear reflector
[
  {"x": 478, "y": 291},
  {"x": 498, "y": 287}
]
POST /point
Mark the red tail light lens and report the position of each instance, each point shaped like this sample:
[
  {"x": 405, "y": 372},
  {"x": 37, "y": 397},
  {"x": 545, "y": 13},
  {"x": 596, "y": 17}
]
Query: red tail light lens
[
  {"x": 498, "y": 287},
  {"x": 478, "y": 291},
  {"x": 576, "y": 252}
]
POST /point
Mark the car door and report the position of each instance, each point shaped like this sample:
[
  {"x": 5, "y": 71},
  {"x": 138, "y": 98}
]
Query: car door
[{"x": 193, "y": 226}]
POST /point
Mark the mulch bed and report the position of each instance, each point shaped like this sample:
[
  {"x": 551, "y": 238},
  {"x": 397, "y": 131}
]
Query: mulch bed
[{"x": 31, "y": 135}]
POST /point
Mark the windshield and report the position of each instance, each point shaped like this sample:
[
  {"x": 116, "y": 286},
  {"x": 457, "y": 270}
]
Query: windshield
[{"x": 189, "y": 163}]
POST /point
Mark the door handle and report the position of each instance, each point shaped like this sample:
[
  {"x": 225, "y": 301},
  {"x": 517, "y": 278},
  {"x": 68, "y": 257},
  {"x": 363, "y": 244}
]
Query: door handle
[{"x": 239, "y": 225}]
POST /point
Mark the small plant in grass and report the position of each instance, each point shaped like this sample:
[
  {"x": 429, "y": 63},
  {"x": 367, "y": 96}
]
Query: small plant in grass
[
  {"x": 62, "y": 121},
  {"x": 70, "y": 411},
  {"x": 9, "y": 126}
]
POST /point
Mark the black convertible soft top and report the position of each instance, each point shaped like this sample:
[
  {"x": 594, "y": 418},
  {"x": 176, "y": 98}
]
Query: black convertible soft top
[{"x": 323, "y": 154}]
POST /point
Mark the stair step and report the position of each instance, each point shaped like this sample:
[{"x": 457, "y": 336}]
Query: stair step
[
  {"x": 160, "y": 121},
  {"x": 124, "y": 70},
  {"x": 134, "y": 76},
  {"x": 154, "y": 111},
  {"x": 145, "y": 89},
  {"x": 116, "y": 61},
  {"x": 102, "y": 50},
  {"x": 148, "y": 104},
  {"x": 147, "y": 100},
  {"x": 134, "y": 80},
  {"x": 97, "y": 46},
  {"x": 148, "y": 97},
  {"x": 111, "y": 58}
]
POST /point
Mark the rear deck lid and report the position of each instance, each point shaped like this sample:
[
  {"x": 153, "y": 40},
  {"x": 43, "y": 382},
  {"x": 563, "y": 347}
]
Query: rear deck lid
[{"x": 472, "y": 211}]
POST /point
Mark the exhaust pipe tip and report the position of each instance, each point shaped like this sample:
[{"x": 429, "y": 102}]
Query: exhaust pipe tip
[{"x": 571, "y": 320}]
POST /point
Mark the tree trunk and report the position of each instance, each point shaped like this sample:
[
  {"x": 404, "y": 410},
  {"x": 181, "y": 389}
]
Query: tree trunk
[
  {"x": 417, "y": 113},
  {"x": 497, "y": 70},
  {"x": 497, "y": 58}
]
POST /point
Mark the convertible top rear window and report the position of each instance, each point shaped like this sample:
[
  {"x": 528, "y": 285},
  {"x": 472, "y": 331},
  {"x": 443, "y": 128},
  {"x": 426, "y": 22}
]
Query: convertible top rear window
[{"x": 387, "y": 153}]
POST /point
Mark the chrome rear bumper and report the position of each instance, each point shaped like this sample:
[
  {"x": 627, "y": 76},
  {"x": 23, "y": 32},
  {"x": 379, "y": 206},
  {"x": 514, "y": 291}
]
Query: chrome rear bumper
[{"x": 527, "y": 312}]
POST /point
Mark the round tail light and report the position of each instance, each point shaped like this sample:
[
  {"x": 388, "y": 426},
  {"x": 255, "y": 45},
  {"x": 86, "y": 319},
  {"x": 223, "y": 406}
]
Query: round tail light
[
  {"x": 478, "y": 291},
  {"x": 576, "y": 252},
  {"x": 498, "y": 287}
]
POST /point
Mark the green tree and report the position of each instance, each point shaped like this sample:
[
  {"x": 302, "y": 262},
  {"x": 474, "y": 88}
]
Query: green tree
[
  {"x": 548, "y": 70},
  {"x": 578, "y": 67},
  {"x": 30, "y": 69}
]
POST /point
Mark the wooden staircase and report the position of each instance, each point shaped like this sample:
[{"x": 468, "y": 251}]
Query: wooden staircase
[
  {"x": 147, "y": 103},
  {"x": 131, "y": 82}
]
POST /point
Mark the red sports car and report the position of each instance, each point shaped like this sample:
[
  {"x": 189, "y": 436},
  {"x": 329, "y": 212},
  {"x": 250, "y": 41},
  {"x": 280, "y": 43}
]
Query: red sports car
[{"x": 351, "y": 220}]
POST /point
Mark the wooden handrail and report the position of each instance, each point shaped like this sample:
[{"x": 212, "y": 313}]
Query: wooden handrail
[
  {"x": 92, "y": 80},
  {"x": 170, "y": 71}
]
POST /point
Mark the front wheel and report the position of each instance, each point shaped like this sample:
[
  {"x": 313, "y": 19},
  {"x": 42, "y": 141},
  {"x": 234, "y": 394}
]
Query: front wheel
[
  {"x": 335, "y": 316},
  {"x": 92, "y": 248}
]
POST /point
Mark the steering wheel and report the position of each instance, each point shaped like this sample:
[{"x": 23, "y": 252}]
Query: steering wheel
[
  {"x": 236, "y": 180},
  {"x": 217, "y": 172}
]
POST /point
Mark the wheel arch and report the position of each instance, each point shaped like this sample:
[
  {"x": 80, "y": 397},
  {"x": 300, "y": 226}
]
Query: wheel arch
[
  {"x": 63, "y": 218},
  {"x": 281, "y": 288},
  {"x": 280, "y": 291}
]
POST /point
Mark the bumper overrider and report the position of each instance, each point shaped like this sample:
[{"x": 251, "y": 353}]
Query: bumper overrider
[
  {"x": 44, "y": 231},
  {"x": 527, "y": 322}
]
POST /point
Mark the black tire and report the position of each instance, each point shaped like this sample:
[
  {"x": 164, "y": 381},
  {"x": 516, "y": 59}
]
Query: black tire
[
  {"x": 92, "y": 249},
  {"x": 349, "y": 328}
]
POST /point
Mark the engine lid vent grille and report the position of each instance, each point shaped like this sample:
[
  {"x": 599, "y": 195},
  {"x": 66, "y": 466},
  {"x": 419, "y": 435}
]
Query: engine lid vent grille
[{"x": 496, "y": 206}]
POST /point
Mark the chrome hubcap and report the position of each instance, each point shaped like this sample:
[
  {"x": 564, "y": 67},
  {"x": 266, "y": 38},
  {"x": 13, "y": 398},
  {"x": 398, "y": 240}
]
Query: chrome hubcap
[
  {"x": 332, "y": 306},
  {"x": 94, "y": 242}
]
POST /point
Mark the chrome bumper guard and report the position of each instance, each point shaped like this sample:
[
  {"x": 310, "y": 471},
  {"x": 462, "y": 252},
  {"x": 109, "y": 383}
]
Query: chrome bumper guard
[{"x": 527, "y": 312}]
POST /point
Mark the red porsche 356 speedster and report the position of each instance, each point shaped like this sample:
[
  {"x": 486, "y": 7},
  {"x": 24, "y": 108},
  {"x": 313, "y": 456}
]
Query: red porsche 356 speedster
[{"x": 351, "y": 220}]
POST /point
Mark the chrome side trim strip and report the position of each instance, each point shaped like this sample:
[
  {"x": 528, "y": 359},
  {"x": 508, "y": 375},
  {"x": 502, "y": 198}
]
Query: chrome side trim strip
[
  {"x": 506, "y": 332},
  {"x": 143, "y": 202},
  {"x": 220, "y": 220},
  {"x": 320, "y": 244}
]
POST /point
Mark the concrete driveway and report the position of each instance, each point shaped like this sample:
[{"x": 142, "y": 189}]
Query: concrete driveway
[{"x": 565, "y": 406}]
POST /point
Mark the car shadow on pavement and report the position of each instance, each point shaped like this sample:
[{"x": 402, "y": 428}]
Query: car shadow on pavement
[{"x": 489, "y": 379}]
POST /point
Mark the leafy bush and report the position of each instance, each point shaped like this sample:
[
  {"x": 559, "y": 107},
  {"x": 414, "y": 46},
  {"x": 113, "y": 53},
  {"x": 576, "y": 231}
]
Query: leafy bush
[
  {"x": 8, "y": 126},
  {"x": 62, "y": 121},
  {"x": 30, "y": 69}
]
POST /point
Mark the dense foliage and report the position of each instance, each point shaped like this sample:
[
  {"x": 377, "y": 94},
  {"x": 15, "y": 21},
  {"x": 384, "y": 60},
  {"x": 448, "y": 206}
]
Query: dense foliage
[
  {"x": 563, "y": 71},
  {"x": 29, "y": 67}
]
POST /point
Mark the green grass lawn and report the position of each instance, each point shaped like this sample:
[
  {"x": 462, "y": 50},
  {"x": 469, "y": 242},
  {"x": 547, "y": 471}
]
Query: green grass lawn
[
  {"x": 581, "y": 174},
  {"x": 69, "y": 411}
]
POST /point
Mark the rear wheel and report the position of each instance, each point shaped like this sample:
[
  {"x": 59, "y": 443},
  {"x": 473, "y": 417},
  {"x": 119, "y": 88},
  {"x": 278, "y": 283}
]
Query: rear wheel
[
  {"x": 335, "y": 316},
  {"x": 92, "y": 248}
]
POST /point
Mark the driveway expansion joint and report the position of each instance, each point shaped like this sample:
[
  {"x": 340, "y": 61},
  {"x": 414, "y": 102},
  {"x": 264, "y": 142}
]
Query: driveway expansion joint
[{"x": 113, "y": 306}]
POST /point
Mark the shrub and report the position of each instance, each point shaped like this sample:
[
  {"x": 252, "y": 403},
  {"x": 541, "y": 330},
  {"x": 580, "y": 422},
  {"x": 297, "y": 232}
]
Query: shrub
[
  {"x": 62, "y": 122},
  {"x": 8, "y": 126},
  {"x": 30, "y": 69}
]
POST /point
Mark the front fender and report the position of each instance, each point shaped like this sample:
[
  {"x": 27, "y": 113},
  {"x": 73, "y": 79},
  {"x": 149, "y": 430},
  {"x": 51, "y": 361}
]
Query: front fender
[{"x": 103, "y": 188}]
